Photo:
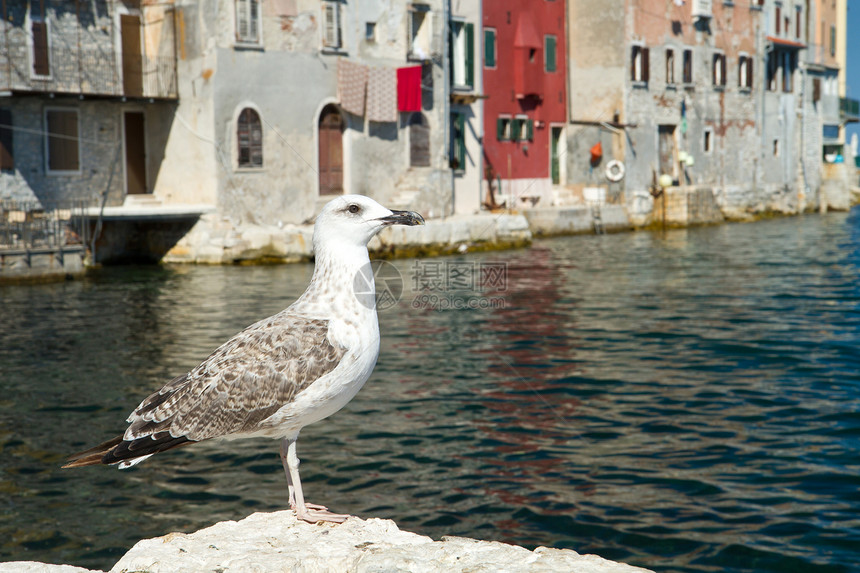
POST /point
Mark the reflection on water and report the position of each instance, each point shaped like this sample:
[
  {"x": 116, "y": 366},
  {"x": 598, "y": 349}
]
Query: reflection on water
[{"x": 687, "y": 402}]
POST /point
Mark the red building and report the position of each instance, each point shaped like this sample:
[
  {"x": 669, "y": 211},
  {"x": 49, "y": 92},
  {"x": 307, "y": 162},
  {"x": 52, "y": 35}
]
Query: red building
[{"x": 524, "y": 66}]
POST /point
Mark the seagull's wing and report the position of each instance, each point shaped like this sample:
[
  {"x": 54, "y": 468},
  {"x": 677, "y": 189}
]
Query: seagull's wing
[
  {"x": 242, "y": 383},
  {"x": 246, "y": 380}
]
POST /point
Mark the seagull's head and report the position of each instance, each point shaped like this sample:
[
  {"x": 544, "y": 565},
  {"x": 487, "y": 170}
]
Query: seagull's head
[{"x": 355, "y": 219}]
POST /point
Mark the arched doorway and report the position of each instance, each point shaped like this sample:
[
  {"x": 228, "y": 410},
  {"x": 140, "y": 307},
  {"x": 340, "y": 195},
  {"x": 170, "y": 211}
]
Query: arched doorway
[{"x": 331, "y": 151}]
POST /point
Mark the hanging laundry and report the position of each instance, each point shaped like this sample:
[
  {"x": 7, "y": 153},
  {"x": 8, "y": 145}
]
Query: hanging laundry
[
  {"x": 351, "y": 85},
  {"x": 409, "y": 88},
  {"x": 382, "y": 94}
]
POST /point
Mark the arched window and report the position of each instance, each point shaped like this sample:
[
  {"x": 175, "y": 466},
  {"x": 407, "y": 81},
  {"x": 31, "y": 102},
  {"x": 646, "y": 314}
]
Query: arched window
[
  {"x": 419, "y": 141},
  {"x": 249, "y": 132}
]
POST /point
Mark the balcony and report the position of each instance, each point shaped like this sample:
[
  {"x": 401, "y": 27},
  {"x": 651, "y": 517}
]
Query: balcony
[
  {"x": 98, "y": 73},
  {"x": 849, "y": 110}
]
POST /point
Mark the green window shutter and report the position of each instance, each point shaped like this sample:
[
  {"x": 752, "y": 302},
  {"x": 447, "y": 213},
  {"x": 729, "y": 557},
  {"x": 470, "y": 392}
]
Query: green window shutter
[
  {"x": 530, "y": 130},
  {"x": 458, "y": 141},
  {"x": 452, "y": 37},
  {"x": 461, "y": 126},
  {"x": 500, "y": 128},
  {"x": 489, "y": 48},
  {"x": 469, "y": 31},
  {"x": 549, "y": 53}
]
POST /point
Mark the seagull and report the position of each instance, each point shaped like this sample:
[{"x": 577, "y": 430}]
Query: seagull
[{"x": 282, "y": 373}]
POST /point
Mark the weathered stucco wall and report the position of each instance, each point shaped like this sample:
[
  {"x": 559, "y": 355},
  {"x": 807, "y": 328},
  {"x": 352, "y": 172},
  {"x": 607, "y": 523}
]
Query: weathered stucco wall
[{"x": 288, "y": 80}]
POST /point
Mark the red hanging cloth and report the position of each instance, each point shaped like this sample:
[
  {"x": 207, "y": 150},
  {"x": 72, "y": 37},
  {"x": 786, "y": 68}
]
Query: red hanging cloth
[{"x": 409, "y": 89}]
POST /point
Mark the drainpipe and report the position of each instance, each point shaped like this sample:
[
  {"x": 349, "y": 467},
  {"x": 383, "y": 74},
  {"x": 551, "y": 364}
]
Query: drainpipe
[
  {"x": 803, "y": 71},
  {"x": 763, "y": 90},
  {"x": 446, "y": 96}
]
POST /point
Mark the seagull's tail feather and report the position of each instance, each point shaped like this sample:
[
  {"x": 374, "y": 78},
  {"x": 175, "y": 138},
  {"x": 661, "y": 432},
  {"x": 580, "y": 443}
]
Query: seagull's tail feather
[
  {"x": 126, "y": 452},
  {"x": 92, "y": 456}
]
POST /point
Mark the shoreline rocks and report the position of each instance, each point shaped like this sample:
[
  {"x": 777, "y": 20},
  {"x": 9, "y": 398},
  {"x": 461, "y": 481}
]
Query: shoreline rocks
[{"x": 278, "y": 542}]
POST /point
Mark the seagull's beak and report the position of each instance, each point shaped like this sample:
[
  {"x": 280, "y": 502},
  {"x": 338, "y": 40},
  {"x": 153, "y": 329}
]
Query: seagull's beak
[{"x": 410, "y": 218}]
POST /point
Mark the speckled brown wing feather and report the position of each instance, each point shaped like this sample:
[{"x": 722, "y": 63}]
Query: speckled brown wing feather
[{"x": 246, "y": 380}]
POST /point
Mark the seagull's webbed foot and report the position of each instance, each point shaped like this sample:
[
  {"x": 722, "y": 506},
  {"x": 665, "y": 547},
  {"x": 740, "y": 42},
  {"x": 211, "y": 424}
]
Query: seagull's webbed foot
[{"x": 312, "y": 515}]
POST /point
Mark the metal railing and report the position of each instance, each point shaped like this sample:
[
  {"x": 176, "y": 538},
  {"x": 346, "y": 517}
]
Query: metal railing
[
  {"x": 26, "y": 225},
  {"x": 92, "y": 72}
]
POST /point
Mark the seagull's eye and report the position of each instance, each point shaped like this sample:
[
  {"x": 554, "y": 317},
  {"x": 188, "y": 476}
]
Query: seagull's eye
[{"x": 353, "y": 208}]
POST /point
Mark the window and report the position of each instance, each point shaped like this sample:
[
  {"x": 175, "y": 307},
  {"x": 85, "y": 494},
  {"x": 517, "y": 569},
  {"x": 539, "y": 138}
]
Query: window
[
  {"x": 745, "y": 72},
  {"x": 419, "y": 141},
  {"x": 248, "y": 21},
  {"x": 458, "y": 141},
  {"x": 832, "y": 40},
  {"x": 40, "y": 55},
  {"x": 7, "y": 159},
  {"x": 489, "y": 48},
  {"x": 816, "y": 90},
  {"x": 522, "y": 128},
  {"x": 776, "y": 147},
  {"x": 503, "y": 129},
  {"x": 778, "y": 20},
  {"x": 688, "y": 66},
  {"x": 370, "y": 32},
  {"x": 670, "y": 66},
  {"x": 249, "y": 134},
  {"x": 708, "y": 141},
  {"x": 331, "y": 25},
  {"x": 462, "y": 54},
  {"x": 549, "y": 53},
  {"x": 420, "y": 32},
  {"x": 61, "y": 126},
  {"x": 718, "y": 70},
  {"x": 797, "y": 23},
  {"x": 639, "y": 64}
]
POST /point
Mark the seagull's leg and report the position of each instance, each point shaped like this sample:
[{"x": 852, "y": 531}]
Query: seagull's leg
[
  {"x": 310, "y": 512},
  {"x": 285, "y": 443}
]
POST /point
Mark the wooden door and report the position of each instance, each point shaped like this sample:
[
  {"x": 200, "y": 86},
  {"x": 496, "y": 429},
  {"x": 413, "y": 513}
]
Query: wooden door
[
  {"x": 666, "y": 149},
  {"x": 331, "y": 151},
  {"x": 132, "y": 61},
  {"x": 135, "y": 153}
]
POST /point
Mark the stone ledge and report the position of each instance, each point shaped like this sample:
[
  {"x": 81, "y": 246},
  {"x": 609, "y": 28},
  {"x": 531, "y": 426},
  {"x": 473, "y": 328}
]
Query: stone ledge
[
  {"x": 213, "y": 241},
  {"x": 278, "y": 542}
]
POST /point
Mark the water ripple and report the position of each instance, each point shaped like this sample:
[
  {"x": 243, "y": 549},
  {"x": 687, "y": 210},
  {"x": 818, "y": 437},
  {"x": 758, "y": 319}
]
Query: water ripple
[{"x": 686, "y": 402}]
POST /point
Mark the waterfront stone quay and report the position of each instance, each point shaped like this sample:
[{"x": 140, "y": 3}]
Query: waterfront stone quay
[
  {"x": 202, "y": 236},
  {"x": 279, "y": 542}
]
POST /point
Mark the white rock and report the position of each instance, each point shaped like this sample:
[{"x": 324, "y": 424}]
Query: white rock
[
  {"x": 278, "y": 542},
  {"x": 36, "y": 567}
]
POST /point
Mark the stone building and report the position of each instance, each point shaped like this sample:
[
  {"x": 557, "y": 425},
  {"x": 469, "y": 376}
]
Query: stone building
[
  {"x": 283, "y": 104},
  {"x": 87, "y": 94},
  {"x": 525, "y": 80},
  {"x": 465, "y": 94},
  {"x": 259, "y": 110},
  {"x": 717, "y": 97}
]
